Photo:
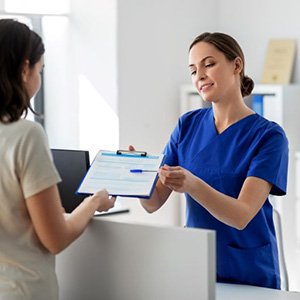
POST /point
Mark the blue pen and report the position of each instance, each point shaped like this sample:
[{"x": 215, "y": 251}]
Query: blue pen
[{"x": 141, "y": 170}]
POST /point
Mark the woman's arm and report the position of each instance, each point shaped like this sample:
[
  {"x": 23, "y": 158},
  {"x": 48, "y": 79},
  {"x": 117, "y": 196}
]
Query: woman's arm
[
  {"x": 233, "y": 212},
  {"x": 56, "y": 231},
  {"x": 158, "y": 198}
]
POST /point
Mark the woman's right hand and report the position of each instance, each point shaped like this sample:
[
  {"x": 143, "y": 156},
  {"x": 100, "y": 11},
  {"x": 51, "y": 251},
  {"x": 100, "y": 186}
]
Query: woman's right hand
[{"x": 105, "y": 202}]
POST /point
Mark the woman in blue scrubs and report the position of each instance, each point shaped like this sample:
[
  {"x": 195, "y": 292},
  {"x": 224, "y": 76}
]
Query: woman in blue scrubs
[{"x": 227, "y": 160}]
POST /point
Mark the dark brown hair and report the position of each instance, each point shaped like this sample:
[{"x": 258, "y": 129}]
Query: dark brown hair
[
  {"x": 17, "y": 44},
  {"x": 231, "y": 49}
]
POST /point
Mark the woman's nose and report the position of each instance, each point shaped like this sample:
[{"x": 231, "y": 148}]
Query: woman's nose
[{"x": 200, "y": 75}]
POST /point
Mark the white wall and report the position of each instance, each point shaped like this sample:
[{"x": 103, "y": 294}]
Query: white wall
[
  {"x": 94, "y": 26},
  {"x": 153, "y": 41},
  {"x": 256, "y": 22},
  {"x": 60, "y": 84},
  {"x": 81, "y": 47}
]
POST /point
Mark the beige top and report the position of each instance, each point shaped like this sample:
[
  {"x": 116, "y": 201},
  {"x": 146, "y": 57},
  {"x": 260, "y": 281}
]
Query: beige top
[{"x": 27, "y": 269}]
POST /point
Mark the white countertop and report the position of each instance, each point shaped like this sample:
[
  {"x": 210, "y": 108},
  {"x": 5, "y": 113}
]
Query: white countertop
[{"x": 244, "y": 292}]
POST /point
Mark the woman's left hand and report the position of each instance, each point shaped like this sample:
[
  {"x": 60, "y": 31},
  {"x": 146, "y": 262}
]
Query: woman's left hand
[{"x": 176, "y": 178}]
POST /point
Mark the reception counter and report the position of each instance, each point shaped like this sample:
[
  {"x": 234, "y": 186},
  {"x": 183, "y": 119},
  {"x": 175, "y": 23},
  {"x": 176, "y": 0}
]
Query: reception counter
[
  {"x": 246, "y": 292},
  {"x": 123, "y": 261}
]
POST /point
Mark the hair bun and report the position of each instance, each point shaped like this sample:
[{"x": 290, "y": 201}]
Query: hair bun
[{"x": 247, "y": 86}]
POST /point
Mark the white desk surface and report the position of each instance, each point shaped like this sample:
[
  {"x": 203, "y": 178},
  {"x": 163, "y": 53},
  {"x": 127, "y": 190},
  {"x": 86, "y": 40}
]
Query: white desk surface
[{"x": 244, "y": 292}]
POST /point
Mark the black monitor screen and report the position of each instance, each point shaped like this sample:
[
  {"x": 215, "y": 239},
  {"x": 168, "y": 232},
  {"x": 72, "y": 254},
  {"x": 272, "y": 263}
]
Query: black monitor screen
[{"x": 72, "y": 166}]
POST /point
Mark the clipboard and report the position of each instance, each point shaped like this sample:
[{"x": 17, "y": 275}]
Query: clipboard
[{"x": 122, "y": 173}]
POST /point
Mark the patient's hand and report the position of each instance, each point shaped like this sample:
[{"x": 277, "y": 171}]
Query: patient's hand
[{"x": 105, "y": 202}]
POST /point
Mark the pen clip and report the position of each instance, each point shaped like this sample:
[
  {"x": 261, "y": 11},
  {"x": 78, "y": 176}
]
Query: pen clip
[{"x": 128, "y": 152}]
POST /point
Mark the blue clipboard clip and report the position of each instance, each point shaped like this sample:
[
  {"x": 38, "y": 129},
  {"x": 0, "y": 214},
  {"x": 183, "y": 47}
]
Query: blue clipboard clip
[{"x": 133, "y": 153}]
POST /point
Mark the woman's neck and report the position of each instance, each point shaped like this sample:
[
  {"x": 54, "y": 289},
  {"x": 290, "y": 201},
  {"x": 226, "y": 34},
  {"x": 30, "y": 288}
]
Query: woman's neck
[{"x": 227, "y": 114}]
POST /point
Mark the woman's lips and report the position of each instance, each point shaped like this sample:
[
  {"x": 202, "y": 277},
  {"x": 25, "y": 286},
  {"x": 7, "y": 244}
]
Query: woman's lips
[{"x": 205, "y": 86}]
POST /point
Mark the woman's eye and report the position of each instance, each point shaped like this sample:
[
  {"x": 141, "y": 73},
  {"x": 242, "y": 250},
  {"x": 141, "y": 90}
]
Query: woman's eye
[
  {"x": 193, "y": 73},
  {"x": 209, "y": 65}
]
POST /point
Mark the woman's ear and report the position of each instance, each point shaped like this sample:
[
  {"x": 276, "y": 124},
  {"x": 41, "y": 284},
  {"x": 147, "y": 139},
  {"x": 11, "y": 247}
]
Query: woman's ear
[
  {"x": 25, "y": 71},
  {"x": 238, "y": 65}
]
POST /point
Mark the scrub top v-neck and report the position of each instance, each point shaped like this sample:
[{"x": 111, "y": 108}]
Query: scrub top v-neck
[{"x": 253, "y": 146}]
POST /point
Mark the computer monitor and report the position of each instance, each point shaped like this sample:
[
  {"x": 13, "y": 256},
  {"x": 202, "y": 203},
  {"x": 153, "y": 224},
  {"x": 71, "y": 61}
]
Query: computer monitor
[{"x": 72, "y": 166}]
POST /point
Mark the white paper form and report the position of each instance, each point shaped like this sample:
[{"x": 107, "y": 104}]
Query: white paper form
[{"x": 112, "y": 171}]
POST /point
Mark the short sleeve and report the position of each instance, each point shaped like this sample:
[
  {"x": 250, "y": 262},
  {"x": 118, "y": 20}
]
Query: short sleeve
[
  {"x": 171, "y": 149},
  {"x": 271, "y": 160},
  {"x": 34, "y": 160}
]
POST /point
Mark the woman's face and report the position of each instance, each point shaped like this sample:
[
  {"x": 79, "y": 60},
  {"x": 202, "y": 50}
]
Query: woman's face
[
  {"x": 214, "y": 76},
  {"x": 32, "y": 77}
]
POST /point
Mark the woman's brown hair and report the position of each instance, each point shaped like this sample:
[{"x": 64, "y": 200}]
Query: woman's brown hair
[{"x": 17, "y": 44}]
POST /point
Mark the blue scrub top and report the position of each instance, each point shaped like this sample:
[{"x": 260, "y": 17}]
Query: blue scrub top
[{"x": 253, "y": 146}]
